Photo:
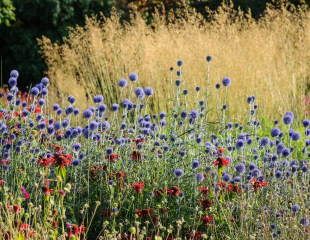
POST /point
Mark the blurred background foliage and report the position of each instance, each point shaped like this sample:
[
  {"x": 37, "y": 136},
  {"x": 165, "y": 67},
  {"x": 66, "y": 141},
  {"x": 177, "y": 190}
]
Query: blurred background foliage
[{"x": 22, "y": 22}]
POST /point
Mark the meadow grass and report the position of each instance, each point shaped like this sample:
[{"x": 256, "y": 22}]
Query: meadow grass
[{"x": 268, "y": 57}]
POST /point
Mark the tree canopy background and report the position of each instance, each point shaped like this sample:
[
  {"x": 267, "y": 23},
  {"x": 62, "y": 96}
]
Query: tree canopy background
[{"x": 22, "y": 22}]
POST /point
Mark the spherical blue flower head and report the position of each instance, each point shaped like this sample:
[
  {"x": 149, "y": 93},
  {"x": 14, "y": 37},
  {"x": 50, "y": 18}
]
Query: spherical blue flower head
[
  {"x": 179, "y": 73},
  {"x": 178, "y": 83},
  {"x": 264, "y": 142},
  {"x": 122, "y": 83},
  {"x": 237, "y": 179},
  {"x": 65, "y": 123},
  {"x": 109, "y": 151},
  {"x": 56, "y": 107},
  {"x": 278, "y": 174},
  {"x": 306, "y": 123},
  {"x": 127, "y": 104},
  {"x": 98, "y": 99},
  {"x": 45, "y": 81},
  {"x": 93, "y": 125},
  {"x": 139, "y": 92},
  {"x": 185, "y": 92},
  {"x": 44, "y": 91},
  {"x": 275, "y": 132},
  {"x": 14, "y": 74},
  {"x": 252, "y": 166},
  {"x": 76, "y": 111},
  {"x": 250, "y": 99},
  {"x": 69, "y": 110},
  {"x": 87, "y": 113},
  {"x": 68, "y": 133},
  {"x": 105, "y": 125},
  {"x": 197, "y": 88},
  {"x": 226, "y": 81},
  {"x": 304, "y": 222},
  {"x": 76, "y": 162},
  {"x": 71, "y": 99},
  {"x": 239, "y": 143},
  {"x": 217, "y": 86},
  {"x": 194, "y": 114},
  {"x": 307, "y": 132},
  {"x": 180, "y": 63},
  {"x": 41, "y": 125},
  {"x": 195, "y": 164},
  {"x": 178, "y": 172},
  {"x": 162, "y": 115},
  {"x": 50, "y": 130},
  {"x": 225, "y": 177},
  {"x": 148, "y": 91},
  {"x": 295, "y": 208},
  {"x": 200, "y": 177},
  {"x": 256, "y": 173},
  {"x": 34, "y": 91},
  {"x": 198, "y": 140},
  {"x": 240, "y": 168},
  {"x": 41, "y": 101},
  {"x": 133, "y": 77},
  {"x": 102, "y": 108},
  {"x": 183, "y": 114},
  {"x": 115, "y": 107},
  {"x": 295, "y": 136},
  {"x": 209, "y": 58},
  {"x": 285, "y": 152},
  {"x": 288, "y": 118},
  {"x": 9, "y": 96},
  {"x": 59, "y": 111},
  {"x": 12, "y": 82}
]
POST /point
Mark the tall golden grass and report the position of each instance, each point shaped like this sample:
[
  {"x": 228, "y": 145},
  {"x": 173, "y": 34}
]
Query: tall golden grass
[{"x": 268, "y": 58}]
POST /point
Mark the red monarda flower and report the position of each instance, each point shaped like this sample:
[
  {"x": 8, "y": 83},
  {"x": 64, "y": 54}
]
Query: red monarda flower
[
  {"x": 63, "y": 160},
  {"x": 138, "y": 140},
  {"x": 258, "y": 184},
  {"x": 112, "y": 157},
  {"x": 138, "y": 186},
  {"x": 24, "y": 227},
  {"x": 16, "y": 208},
  {"x": 46, "y": 162},
  {"x": 144, "y": 212},
  {"x": 205, "y": 204},
  {"x": 207, "y": 219},
  {"x": 204, "y": 190},
  {"x": 221, "y": 162},
  {"x": 233, "y": 188},
  {"x": 25, "y": 193},
  {"x": 135, "y": 155},
  {"x": 174, "y": 191},
  {"x": 2, "y": 182},
  {"x": 47, "y": 191}
]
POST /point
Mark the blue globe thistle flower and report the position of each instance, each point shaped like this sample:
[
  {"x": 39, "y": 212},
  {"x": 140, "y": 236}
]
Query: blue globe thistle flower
[
  {"x": 59, "y": 111},
  {"x": 163, "y": 122},
  {"x": 76, "y": 147},
  {"x": 288, "y": 118},
  {"x": 109, "y": 151},
  {"x": 295, "y": 136},
  {"x": 251, "y": 99},
  {"x": 71, "y": 99},
  {"x": 9, "y": 96},
  {"x": 122, "y": 82},
  {"x": 239, "y": 143},
  {"x": 93, "y": 125},
  {"x": 41, "y": 125},
  {"x": 65, "y": 123},
  {"x": 127, "y": 104},
  {"x": 178, "y": 172},
  {"x": 178, "y": 83},
  {"x": 225, "y": 177},
  {"x": 237, "y": 179},
  {"x": 148, "y": 91},
  {"x": 12, "y": 82},
  {"x": 240, "y": 168},
  {"x": 185, "y": 92},
  {"x": 76, "y": 111},
  {"x": 69, "y": 110},
  {"x": 14, "y": 74},
  {"x": 304, "y": 222},
  {"x": 98, "y": 99},
  {"x": 307, "y": 132},
  {"x": 275, "y": 132},
  {"x": 115, "y": 107},
  {"x": 264, "y": 142},
  {"x": 44, "y": 91},
  {"x": 41, "y": 101},
  {"x": 195, "y": 164},
  {"x": 76, "y": 162},
  {"x": 162, "y": 115},
  {"x": 226, "y": 81},
  {"x": 56, "y": 107},
  {"x": 306, "y": 123},
  {"x": 278, "y": 174},
  {"x": 102, "y": 108},
  {"x": 179, "y": 63},
  {"x": 285, "y": 152},
  {"x": 105, "y": 125},
  {"x": 193, "y": 114},
  {"x": 295, "y": 208},
  {"x": 87, "y": 113},
  {"x": 45, "y": 81},
  {"x": 183, "y": 114},
  {"x": 197, "y": 88},
  {"x": 179, "y": 73},
  {"x": 35, "y": 91},
  {"x": 200, "y": 177},
  {"x": 133, "y": 77},
  {"x": 217, "y": 86},
  {"x": 209, "y": 58}
]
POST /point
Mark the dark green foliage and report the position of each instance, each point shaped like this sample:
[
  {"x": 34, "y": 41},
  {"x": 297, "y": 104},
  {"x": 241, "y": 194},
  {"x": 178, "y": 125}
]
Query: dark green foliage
[{"x": 34, "y": 18}]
